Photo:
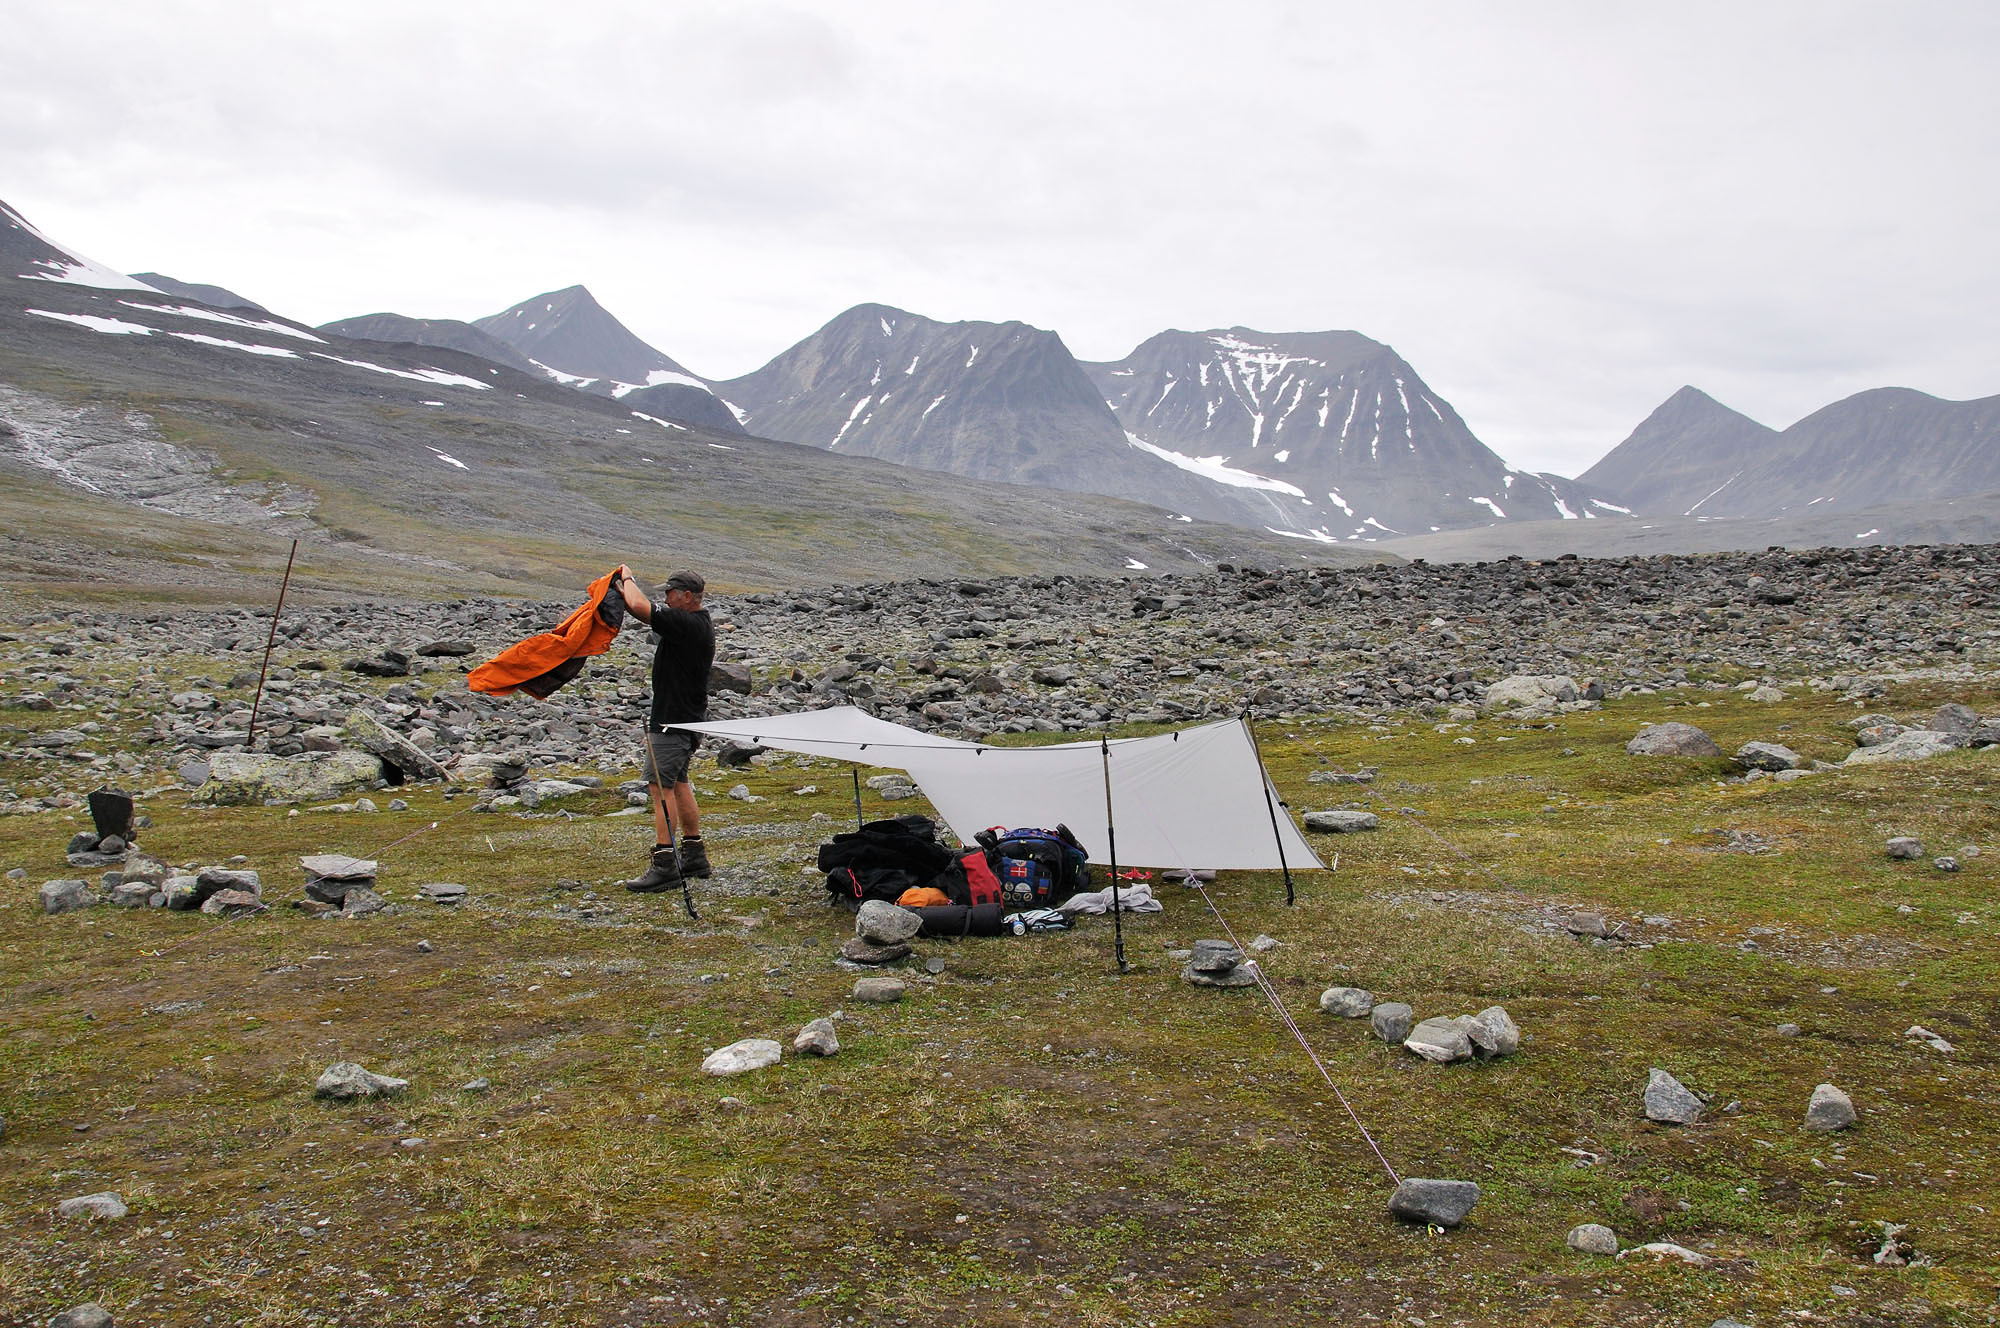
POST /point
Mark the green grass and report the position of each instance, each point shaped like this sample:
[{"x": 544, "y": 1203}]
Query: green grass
[{"x": 1031, "y": 1137}]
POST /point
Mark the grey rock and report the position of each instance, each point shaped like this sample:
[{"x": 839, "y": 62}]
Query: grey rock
[
  {"x": 479, "y": 1085},
  {"x": 1829, "y": 1110},
  {"x": 1672, "y": 739},
  {"x": 233, "y": 904},
  {"x": 107, "y": 1205},
  {"x": 66, "y": 896},
  {"x": 1874, "y": 735},
  {"x": 1768, "y": 756},
  {"x": 1662, "y": 1250},
  {"x": 360, "y": 902},
  {"x": 1952, "y": 717},
  {"x": 1530, "y": 691},
  {"x": 1342, "y": 821},
  {"x": 441, "y": 892},
  {"x": 338, "y": 866},
  {"x": 1668, "y": 1101},
  {"x": 1214, "y": 957},
  {"x": 1242, "y": 975},
  {"x": 1390, "y": 1021},
  {"x": 1586, "y": 924},
  {"x": 1910, "y": 745},
  {"x": 1494, "y": 1033},
  {"x": 1347, "y": 1002},
  {"x": 1440, "y": 1203},
  {"x": 131, "y": 894},
  {"x": 742, "y": 1057},
  {"x": 881, "y": 923},
  {"x": 345, "y": 1081},
  {"x": 864, "y": 952},
  {"x": 249, "y": 779},
  {"x": 1592, "y": 1238},
  {"x": 1441, "y": 1040},
  {"x": 88, "y": 1315},
  {"x": 1905, "y": 846},
  {"x": 879, "y": 991},
  {"x": 817, "y": 1038},
  {"x": 1946, "y": 863}
]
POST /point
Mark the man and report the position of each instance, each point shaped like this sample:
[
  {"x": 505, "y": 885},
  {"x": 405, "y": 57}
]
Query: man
[{"x": 680, "y": 696}]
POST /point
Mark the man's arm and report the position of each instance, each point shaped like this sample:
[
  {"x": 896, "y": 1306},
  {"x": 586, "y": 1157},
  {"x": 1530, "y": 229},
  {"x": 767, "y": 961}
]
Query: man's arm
[{"x": 635, "y": 603}]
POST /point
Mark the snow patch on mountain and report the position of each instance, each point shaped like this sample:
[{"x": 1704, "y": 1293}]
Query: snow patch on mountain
[
  {"x": 117, "y": 327},
  {"x": 249, "y": 348},
  {"x": 438, "y": 376},
  {"x": 214, "y": 316},
  {"x": 1216, "y": 468}
]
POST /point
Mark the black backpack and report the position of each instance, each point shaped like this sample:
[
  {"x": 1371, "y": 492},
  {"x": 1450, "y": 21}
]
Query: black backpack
[{"x": 882, "y": 859}]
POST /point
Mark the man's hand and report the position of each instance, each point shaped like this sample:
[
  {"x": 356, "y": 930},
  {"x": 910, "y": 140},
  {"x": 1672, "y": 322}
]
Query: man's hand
[{"x": 635, "y": 603}]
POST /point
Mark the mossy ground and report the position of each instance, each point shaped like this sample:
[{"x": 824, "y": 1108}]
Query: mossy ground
[{"x": 1032, "y": 1137}]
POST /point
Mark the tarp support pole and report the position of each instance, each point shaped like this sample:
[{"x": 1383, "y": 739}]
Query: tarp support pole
[
  {"x": 250, "y": 734},
  {"x": 1111, "y": 831},
  {"x": 1270, "y": 807},
  {"x": 855, "y": 770}
]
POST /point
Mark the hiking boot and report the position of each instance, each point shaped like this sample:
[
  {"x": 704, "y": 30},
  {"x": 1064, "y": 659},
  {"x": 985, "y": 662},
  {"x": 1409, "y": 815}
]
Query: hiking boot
[
  {"x": 694, "y": 858},
  {"x": 663, "y": 874}
]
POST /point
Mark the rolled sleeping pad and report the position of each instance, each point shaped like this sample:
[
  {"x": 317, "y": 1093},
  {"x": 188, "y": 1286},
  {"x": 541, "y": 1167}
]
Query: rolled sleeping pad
[{"x": 947, "y": 921}]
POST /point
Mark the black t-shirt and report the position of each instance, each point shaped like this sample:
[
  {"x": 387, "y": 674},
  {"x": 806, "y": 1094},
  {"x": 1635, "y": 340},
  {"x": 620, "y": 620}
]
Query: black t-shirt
[{"x": 680, "y": 665}]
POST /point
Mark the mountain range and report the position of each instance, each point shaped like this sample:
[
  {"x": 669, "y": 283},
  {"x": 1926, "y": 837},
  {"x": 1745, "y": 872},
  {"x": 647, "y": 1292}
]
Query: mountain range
[
  {"x": 1317, "y": 437},
  {"x": 1696, "y": 457}
]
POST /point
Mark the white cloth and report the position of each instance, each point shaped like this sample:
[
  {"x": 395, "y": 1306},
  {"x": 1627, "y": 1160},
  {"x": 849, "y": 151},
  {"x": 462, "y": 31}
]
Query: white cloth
[
  {"x": 1193, "y": 798},
  {"x": 1134, "y": 898}
]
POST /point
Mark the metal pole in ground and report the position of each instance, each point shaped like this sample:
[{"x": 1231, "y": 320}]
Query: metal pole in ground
[
  {"x": 1111, "y": 833},
  {"x": 1271, "y": 807},
  {"x": 250, "y": 734}
]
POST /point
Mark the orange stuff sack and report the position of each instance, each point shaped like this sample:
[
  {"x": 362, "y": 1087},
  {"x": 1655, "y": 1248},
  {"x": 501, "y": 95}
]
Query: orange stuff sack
[
  {"x": 922, "y": 896},
  {"x": 547, "y": 660}
]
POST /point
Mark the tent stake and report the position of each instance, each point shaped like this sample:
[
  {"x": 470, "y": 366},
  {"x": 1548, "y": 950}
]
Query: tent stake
[
  {"x": 1111, "y": 831},
  {"x": 1270, "y": 807},
  {"x": 855, "y": 770},
  {"x": 250, "y": 734}
]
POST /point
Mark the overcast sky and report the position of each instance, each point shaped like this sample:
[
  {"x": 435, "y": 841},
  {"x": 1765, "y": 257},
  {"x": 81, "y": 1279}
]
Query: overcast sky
[{"x": 1559, "y": 212}]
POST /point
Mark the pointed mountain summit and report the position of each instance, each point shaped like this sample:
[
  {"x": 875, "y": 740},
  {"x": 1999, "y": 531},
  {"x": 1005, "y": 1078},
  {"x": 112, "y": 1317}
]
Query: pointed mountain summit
[
  {"x": 215, "y": 297},
  {"x": 572, "y": 337},
  {"x": 1334, "y": 422},
  {"x": 1681, "y": 455},
  {"x": 27, "y": 253},
  {"x": 569, "y": 331}
]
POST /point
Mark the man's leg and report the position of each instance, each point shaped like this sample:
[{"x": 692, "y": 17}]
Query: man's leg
[
  {"x": 687, "y": 819},
  {"x": 663, "y": 872}
]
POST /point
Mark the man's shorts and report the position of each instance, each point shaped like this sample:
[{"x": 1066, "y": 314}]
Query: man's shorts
[{"x": 672, "y": 751}]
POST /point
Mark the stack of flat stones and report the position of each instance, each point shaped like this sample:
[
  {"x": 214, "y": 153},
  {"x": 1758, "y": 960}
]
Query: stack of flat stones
[
  {"x": 1218, "y": 964},
  {"x": 217, "y": 891},
  {"x": 882, "y": 934},
  {"x": 336, "y": 883}
]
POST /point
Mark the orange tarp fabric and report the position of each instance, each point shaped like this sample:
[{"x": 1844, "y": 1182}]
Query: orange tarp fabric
[
  {"x": 922, "y": 896},
  {"x": 527, "y": 663}
]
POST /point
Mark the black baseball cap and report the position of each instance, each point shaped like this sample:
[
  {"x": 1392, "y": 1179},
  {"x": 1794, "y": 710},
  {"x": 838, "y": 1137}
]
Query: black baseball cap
[{"x": 685, "y": 580}]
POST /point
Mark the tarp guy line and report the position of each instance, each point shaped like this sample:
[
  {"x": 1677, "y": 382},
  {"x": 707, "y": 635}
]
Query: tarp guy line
[{"x": 1285, "y": 1016}]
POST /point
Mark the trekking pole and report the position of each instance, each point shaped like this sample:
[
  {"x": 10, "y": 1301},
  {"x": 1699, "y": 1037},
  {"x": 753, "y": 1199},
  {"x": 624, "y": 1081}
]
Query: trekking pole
[
  {"x": 855, "y": 770},
  {"x": 250, "y": 734},
  {"x": 1111, "y": 834},
  {"x": 653, "y": 766},
  {"x": 1270, "y": 807}
]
